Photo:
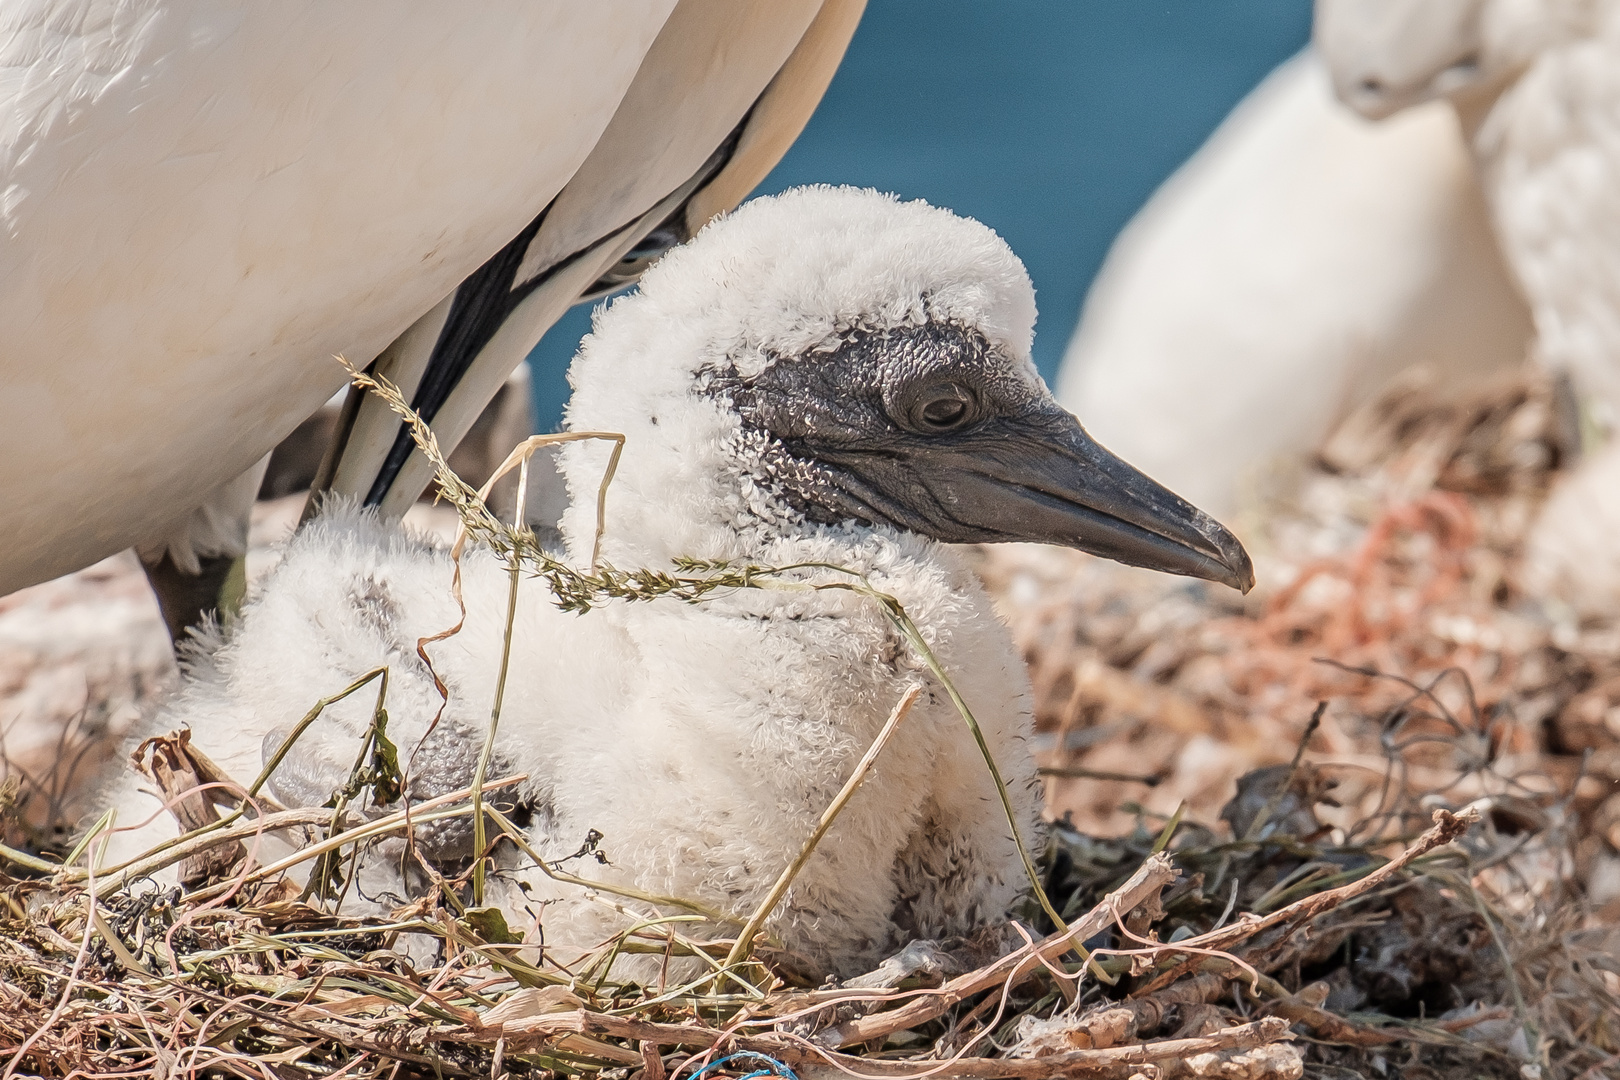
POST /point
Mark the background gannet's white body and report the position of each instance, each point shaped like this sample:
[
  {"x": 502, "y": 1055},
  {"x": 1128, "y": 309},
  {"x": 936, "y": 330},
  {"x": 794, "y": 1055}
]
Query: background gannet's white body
[
  {"x": 703, "y": 741},
  {"x": 1300, "y": 259},
  {"x": 1539, "y": 82},
  {"x": 203, "y": 201}
]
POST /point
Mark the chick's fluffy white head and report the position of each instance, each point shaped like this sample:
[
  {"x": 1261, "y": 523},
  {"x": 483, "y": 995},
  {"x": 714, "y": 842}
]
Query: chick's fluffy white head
[{"x": 782, "y": 279}]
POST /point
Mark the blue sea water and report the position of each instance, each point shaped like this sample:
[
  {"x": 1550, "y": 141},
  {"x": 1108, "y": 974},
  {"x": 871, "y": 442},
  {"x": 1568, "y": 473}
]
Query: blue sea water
[{"x": 1050, "y": 120}]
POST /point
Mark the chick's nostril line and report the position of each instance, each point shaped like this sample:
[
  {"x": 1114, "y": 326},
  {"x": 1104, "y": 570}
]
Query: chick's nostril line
[{"x": 1372, "y": 86}]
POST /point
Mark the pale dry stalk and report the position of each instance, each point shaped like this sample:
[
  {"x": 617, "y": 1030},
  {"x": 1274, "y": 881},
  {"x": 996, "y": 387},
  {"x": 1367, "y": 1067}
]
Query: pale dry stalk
[
  {"x": 536, "y": 1032},
  {"x": 1152, "y": 876}
]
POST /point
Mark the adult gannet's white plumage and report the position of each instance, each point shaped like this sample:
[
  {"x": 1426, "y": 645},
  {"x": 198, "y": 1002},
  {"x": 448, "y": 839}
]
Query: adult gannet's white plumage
[
  {"x": 1293, "y": 265},
  {"x": 203, "y": 201},
  {"x": 682, "y": 146},
  {"x": 1538, "y": 82},
  {"x": 825, "y": 376}
]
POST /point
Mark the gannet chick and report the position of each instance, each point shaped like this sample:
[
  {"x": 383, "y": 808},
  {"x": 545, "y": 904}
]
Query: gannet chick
[{"x": 827, "y": 376}]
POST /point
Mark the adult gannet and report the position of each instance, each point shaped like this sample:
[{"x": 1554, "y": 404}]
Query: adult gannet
[
  {"x": 827, "y": 376},
  {"x": 1538, "y": 84},
  {"x": 1299, "y": 260},
  {"x": 204, "y": 201}
]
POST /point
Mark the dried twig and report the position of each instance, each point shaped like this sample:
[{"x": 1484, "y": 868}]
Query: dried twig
[
  {"x": 288, "y": 819},
  {"x": 1010, "y": 970},
  {"x": 536, "y": 1032},
  {"x": 1447, "y": 827}
]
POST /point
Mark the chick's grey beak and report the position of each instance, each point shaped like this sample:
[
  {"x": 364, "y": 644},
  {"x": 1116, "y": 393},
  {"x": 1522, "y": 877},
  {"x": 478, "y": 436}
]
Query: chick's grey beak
[{"x": 1040, "y": 478}]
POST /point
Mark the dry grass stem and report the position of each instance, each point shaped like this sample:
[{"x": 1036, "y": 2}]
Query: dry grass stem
[{"x": 751, "y": 929}]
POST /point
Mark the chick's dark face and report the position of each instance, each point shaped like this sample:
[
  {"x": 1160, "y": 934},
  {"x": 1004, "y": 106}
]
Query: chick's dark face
[{"x": 933, "y": 429}]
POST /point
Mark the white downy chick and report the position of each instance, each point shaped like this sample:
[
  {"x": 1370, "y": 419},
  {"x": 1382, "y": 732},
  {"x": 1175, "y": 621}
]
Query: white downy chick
[
  {"x": 1537, "y": 83},
  {"x": 827, "y": 376}
]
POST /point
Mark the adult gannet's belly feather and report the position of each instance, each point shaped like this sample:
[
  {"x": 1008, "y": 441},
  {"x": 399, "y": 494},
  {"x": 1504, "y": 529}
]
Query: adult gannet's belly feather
[{"x": 202, "y": 202}]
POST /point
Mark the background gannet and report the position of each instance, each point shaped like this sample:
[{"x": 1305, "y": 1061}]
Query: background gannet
[
  {"x": 203, "y": 202},
  {"x": 826, "y": 376},
  {"x": 1538, "y": 85},
  {"x": 1280, "y": 278}
]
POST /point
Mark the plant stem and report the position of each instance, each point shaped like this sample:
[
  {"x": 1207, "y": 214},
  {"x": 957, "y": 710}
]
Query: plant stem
[
  {"x": 745, "y": 940},
  {"x": 488, "y": 748},
  {"x": 898, "y": 615}
]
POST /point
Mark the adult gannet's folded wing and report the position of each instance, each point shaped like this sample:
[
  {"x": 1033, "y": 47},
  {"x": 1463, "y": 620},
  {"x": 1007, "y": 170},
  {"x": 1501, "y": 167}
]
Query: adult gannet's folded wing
[{"x": 722, "y": 93}]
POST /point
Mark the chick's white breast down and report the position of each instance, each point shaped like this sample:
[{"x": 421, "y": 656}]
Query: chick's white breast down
[
  {"x": 202, "y": 201},
  {"x": 703, "y": 742}
]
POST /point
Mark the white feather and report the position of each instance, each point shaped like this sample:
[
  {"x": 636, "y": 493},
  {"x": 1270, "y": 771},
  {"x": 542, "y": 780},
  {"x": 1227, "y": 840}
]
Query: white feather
[
  {"x": 217, "y": 527},
  {"x": 202, "y": 201},
  {"x": 1544, "y": 106},
  {"x": 1295, "y": 264}
]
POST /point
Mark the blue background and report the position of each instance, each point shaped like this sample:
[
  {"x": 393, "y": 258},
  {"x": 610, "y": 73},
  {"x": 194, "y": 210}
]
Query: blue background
[{"x": 1052, "y": 121}]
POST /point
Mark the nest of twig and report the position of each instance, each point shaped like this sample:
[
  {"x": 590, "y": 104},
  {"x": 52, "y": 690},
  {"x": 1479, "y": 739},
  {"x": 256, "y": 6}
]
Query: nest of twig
[
  {"x": 241, "y": 976},
  {"x": 1394, "y": 888},
  {"x": 1186, "y": 953},
  {"x": 1389, "y": 592}
]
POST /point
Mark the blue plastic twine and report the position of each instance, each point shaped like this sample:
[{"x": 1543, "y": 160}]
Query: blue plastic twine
[{"x": 774, "y": 1067}]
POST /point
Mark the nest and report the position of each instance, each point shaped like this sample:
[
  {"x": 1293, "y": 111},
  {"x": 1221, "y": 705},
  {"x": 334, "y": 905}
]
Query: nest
[
  {"x": 1182, "y": 956},
  {"x": 1401, "y": 882},
  {"x": 1389, "y": 663}
]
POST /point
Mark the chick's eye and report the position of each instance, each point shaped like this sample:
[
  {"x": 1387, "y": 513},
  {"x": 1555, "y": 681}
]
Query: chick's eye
[
  {"x": 944, "y": 412},
  {"x": 943, "y": 408}
]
